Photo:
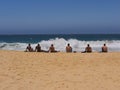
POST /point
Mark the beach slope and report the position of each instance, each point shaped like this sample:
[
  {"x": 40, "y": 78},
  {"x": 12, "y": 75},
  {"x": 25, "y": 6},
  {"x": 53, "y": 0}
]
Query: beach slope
[{"x": 59, "y": 71}]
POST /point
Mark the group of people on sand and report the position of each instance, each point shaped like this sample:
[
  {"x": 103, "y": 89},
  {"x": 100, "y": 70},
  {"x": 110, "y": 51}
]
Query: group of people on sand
[
  {"x": 88, "y": 49},
  {"x": 38, "y": 49}
]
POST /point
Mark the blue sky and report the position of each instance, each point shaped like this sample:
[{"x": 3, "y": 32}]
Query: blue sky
[{"x": 59, "y": 16}]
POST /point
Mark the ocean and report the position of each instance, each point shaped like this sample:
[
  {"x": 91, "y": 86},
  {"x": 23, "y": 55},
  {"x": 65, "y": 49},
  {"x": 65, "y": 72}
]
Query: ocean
[{"x": 77, "y": 41}]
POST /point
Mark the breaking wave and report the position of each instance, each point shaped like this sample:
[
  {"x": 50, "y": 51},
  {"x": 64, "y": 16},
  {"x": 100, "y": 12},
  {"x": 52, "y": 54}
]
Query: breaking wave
[{"x": 60, "y": 44}]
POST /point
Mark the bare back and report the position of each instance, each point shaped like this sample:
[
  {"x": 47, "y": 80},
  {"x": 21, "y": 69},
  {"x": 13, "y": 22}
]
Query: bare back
[
  {"x": 68, "y": 49},
  {"x": 51, "y": 49},
  {"x": 104, "y": 49},
  {"x": 88, "y": 49}
]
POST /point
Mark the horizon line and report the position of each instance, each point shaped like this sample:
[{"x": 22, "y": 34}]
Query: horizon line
[{"x": 67, "y": 34}]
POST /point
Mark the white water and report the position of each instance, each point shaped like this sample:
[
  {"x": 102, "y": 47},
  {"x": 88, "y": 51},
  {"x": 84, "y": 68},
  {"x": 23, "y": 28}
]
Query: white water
[{"x": 60, "y": 44}]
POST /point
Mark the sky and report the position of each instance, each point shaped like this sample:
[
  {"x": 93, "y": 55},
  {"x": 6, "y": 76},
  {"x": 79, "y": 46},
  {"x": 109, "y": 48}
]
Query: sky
[{"x": 59, "y": 16}]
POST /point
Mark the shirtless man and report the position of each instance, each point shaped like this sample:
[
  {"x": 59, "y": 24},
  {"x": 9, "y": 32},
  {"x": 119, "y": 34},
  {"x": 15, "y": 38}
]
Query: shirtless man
[
  {"x": 38, "y": 48},
  {"x": 104, "y": 48},
  {"x": 88, "y": 49},
  {"x": 52, "y": 49},
  {"x": 68, "y": 48},
  {"x": 29, "y": 48}
]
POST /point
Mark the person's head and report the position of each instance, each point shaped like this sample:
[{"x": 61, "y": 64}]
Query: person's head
[
  {"x": 88, "y": 45},
  {"x": 104, "y": 44},
  {"x": 68, "y": 44},
  {"x": 51, "y": 45},
  {"x": 29, "y": 44},
  {"x": 38, "y": 44}
]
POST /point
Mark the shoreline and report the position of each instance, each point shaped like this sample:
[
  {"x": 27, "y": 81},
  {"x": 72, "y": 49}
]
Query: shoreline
[{"x": 62, "y": 51}]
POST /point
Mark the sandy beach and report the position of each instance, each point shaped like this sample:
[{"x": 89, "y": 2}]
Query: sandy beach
[{"x": 59, "y": 71}]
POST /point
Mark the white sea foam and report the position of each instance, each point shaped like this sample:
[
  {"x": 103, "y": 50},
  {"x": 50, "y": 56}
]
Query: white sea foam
[{"x": 60, "y": 44}]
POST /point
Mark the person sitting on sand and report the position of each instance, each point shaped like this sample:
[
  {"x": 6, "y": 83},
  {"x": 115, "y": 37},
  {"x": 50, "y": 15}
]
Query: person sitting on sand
[
  {"x": 104, "y": 48},
  {"x": 88, "y": 49},
  {"x": 38, "y": 48},
  {"x": 68, "y": 48},
  {"x": 52, "y": 49},
  {"x": 29, "y": 48}
]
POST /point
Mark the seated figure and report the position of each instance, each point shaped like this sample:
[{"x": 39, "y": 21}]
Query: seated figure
[
  {"x": 88, "y": 49},
  {"x": 38, "y": 48},
  {"x": 68, "y": 48},
  {"x": 52, "y": 48},
  {"x": 104, "y": 48},
  {"x": 29, "y": 48}
]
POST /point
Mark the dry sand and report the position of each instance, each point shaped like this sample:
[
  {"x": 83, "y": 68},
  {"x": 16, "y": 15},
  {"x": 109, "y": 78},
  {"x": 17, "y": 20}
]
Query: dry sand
[{"x": 59, "y": 71}]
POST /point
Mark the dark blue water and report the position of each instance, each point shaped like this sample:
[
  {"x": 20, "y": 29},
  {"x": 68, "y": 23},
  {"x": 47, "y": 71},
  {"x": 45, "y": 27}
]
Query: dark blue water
[{"x": 38, "y": 38}]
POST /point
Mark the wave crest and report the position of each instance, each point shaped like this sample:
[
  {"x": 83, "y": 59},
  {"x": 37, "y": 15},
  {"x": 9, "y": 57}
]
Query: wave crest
[{"x": 60, "y": 44}]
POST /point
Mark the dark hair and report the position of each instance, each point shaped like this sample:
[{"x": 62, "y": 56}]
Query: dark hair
[
  {"x": 88, "y": 45},
  {"x": 51, "y": 44}
]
